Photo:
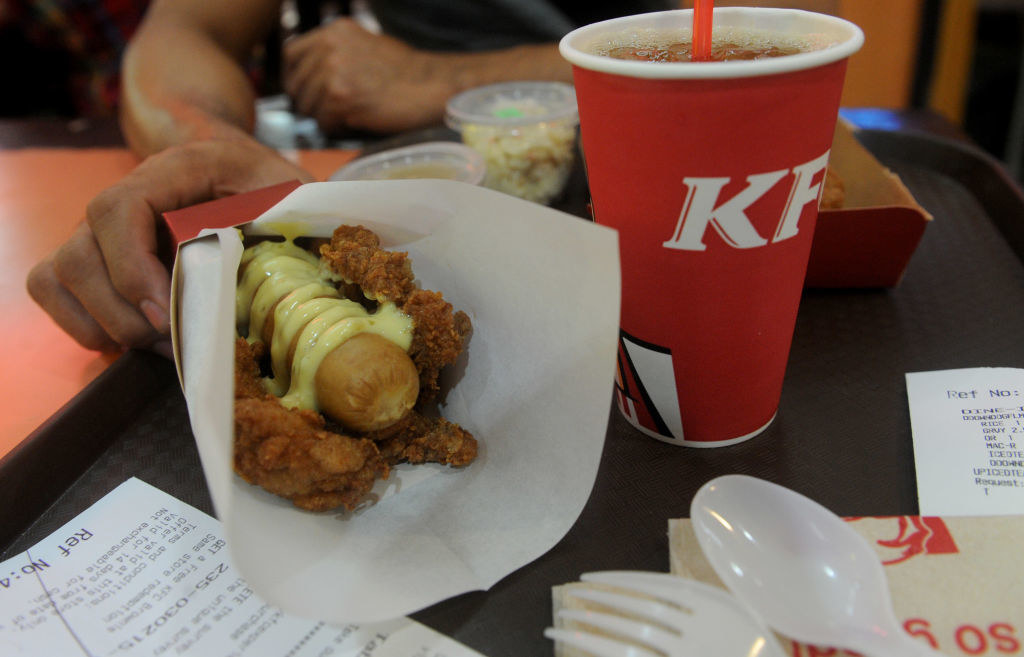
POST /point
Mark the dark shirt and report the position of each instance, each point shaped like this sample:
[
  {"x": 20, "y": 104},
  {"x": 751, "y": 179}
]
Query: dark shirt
[{"x": 473, "y": 25}]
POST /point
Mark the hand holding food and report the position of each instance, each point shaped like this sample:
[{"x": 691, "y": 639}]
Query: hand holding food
[
  {"x": 107, "y": 286},
  {"x": 351, "y": 348}
]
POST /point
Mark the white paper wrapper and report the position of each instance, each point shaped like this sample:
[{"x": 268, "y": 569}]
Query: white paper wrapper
[{"x": 542, "y": 290}]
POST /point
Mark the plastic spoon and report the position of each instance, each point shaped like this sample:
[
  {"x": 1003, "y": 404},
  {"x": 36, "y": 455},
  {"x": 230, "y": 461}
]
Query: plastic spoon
[
  {"x": 801, "y": 567},
  {"x": 703, "y": 11}
]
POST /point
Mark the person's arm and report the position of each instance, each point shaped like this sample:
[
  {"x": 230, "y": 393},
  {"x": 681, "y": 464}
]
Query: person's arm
[
  {"x": 345, "y": 76},
  {"x": 183, "y": 75},
  {"x": 189, "y": 108}
]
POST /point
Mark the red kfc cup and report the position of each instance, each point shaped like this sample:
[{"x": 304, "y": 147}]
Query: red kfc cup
[{"x": 711, "y": 173}]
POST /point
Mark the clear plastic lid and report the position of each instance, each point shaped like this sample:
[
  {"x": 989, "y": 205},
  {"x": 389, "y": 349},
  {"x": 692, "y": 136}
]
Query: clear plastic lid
[
  {"x": 437, "y": 159},
  {"x": 513, "y": 104}
]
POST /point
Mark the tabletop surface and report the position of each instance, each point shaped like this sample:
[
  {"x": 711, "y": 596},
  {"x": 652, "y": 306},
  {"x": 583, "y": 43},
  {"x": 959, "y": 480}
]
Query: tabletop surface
[{"x": 842, "y": 434}]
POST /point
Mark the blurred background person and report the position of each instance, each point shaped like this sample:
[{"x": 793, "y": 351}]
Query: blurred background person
[
  {"x": 187, "y": 102},
  {"x": 388, "y": 67}
]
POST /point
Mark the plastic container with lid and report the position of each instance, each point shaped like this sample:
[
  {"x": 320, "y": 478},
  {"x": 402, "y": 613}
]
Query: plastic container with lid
[
  {"x": 447, "y": 160},
  {"x": 526, "y": 132}
]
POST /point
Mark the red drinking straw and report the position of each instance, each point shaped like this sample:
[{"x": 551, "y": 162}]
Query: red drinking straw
[{"x": 702, "y": 11}]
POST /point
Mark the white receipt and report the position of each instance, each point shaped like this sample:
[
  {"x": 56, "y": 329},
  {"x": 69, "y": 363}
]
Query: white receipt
[
  {"x": 143, "y": 573},
  {"x": 968, "y": 428}
]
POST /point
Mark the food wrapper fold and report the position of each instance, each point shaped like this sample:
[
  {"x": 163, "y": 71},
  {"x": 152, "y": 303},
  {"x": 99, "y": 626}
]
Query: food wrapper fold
[{"x": 542, "y": 289}]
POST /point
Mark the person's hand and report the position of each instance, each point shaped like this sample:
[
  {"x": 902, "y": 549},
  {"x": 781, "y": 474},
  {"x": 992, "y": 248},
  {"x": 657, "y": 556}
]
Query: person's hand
[
  {"x": 106, "y": 286},
  {"x": 346, "y": 77}
]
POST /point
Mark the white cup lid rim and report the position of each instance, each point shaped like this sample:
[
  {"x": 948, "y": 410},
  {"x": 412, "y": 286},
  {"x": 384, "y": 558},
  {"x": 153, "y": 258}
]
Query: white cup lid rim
[{"x": 845, "y": 38}]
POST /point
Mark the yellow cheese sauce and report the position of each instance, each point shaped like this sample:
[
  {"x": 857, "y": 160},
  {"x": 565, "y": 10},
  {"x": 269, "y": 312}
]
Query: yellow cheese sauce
[
  {"x": 255, "y": 266},
  {"x": 308, "y": 311},
  {"x": 294, "y": 311}
]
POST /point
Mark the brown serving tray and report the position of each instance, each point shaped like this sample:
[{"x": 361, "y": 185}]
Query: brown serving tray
[{"x": 842, "y": 435}]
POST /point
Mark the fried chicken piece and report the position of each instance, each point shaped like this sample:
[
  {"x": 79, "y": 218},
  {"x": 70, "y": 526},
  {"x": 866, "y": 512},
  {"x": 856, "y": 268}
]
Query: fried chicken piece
[
  {"x": 834, "y": 193},
  {"x": 294, "y": 454},
  {"x": 438, "y": 337},
  {"x": 354, "y": 253},
  {"x": 439, "y": 334},
  {"x": 289, "y": 453},
  {"x": 247, "y": 369},
  {"x": 422, "y": 439}
]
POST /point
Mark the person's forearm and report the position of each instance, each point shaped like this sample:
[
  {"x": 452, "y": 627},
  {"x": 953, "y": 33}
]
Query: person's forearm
[
  {"x": 444, "y": 75},
  {"x": 176, "y": 88},
  {"x": 180, "y": 84},
  {"x": 530, "y": 62},
  {"x": 346, "y": 77}
]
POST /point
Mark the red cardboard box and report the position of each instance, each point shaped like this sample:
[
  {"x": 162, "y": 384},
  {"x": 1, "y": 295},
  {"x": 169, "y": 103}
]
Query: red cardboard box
[{"x": 869, "y": 242}]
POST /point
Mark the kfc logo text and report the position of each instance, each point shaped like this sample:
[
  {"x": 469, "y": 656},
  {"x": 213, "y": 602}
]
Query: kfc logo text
[{"x": 729, "y": 218}]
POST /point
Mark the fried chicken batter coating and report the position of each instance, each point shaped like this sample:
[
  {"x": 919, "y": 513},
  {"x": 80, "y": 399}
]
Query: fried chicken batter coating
[
  {"x": 422, "y": 439},
  {"x": 354, "y": 253},
  {"x": 247, "y": 369},
  {"x": 290, "y": 454},
  {"x": 439, "y": 335}
]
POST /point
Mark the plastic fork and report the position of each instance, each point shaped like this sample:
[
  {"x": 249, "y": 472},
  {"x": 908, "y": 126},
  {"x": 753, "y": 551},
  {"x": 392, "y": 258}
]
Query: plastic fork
[{"x": 664, "y": 615}]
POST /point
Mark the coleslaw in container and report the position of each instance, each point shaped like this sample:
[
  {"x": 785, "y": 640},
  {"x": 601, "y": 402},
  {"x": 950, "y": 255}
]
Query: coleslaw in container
[{"x": 526, "y": 132}]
